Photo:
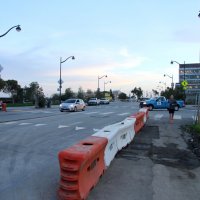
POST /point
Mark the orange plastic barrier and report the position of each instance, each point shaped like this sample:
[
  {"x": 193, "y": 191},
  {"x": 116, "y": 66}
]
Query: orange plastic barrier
[
  {"x": 139, "y": 123},
  {"x": 4, "y": 107},
  {"x": 81, "y": 165}
]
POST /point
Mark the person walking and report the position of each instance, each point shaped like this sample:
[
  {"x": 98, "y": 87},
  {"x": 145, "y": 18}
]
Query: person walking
[{"x": 172, "y": 104}]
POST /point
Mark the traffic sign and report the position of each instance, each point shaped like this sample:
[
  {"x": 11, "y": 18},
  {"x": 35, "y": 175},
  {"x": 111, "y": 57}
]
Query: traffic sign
[
  {"x": 60, "y": 81},
  {"x": 184, "y": 83}
]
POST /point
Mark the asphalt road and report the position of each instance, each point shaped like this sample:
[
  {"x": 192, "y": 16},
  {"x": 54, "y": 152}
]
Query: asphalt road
[{"x": 30, "y": 140}]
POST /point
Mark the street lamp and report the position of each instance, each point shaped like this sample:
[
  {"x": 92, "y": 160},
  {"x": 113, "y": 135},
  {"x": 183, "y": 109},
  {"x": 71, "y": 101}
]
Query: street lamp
[
  {"x": 164, "y": 83},
  {"x": 60, "y": 81},
  {"x": 172, "y": 62},
  {"x": 98, "y": 89},
  {"x": 105, "y": 84},
  {"x": 18, "y": 28},
  {"x": 172, "y": 84}
]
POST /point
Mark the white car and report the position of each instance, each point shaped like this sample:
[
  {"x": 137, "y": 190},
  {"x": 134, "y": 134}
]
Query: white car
[
  {"x": 104, "y": 101},
  {"x": 72, "y": 105},
  {"x": 93, "y": 101}
]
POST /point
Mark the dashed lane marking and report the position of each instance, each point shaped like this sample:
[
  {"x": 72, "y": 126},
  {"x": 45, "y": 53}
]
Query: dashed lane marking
[
  {"x": 23, "y": 124},
  {"x": 9, "y": 123},
  {"x": 40, "y": 124},
  {"x": 63, "y": 126},
  {"x": 177, "y": 117},
  {"x": 79, "y": 128},
  {"x": 122, "y": 114},
  {"x": 106, "y": 113}
]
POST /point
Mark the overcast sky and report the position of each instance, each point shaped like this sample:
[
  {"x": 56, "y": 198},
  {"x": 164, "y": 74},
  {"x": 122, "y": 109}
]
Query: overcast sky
[{"x": 130, "y": 41}]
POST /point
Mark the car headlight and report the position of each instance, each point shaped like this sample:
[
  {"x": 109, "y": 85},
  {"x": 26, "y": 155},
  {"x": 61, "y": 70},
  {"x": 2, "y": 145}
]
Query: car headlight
[{"x": 144, "y": 103}]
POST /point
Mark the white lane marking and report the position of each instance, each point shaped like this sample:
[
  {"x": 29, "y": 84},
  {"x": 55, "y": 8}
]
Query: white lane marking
[
  {"x": 63, "y": 126},
  {"x": 122, "y": 114},
  {"x": 79, "y": 128},
  {"x": 106, "y": 113},
  {"x": 88, "y": 113},
  {"x": 68, "y": 125},
  {"x": 23, "y": 124},
  {"x": 10, "y": 123},
  {"x": 177, "y": 117},
  {"x": 40, "y": 124},
  {"x": 158, "y": 116}
]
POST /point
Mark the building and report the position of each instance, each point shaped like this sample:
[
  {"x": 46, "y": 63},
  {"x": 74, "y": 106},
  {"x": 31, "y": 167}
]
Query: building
[{"x": 190, "y": 73}]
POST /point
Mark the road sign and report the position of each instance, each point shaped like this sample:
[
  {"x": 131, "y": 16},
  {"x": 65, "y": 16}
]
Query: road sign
[
  {"x": 60, "y": 81},
  {"x": 184, "y": 83}
]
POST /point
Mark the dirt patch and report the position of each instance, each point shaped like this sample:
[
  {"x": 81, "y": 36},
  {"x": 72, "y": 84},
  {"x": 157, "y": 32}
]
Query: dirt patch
[{"x": 142, "y": 147}]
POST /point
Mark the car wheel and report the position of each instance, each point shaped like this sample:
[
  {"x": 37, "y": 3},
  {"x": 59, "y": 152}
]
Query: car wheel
[
  {"x": 176, "y": 108},
  {"x": 61, "y": 110},
  {"x": 83, "y": 108},
  {"x": 75, "y": 109},
  {"x": 150, "y": 107}
]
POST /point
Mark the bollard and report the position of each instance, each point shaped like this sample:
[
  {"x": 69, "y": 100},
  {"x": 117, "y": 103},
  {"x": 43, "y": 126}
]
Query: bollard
[{"x": 4, "y": 107}]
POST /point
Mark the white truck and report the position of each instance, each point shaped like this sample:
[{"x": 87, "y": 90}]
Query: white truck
[{"x": 93, "y": 102}]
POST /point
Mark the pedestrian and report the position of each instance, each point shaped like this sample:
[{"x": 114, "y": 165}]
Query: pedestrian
[{"x": 172, "y": 104}]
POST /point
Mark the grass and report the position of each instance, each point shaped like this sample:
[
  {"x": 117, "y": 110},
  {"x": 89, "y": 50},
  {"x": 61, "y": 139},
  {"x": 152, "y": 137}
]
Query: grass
[{"x": 195, "y": 128}]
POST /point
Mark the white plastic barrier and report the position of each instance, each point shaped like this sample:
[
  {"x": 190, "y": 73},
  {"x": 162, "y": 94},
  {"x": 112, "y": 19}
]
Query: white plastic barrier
[
  {"x": 118, "y": 135},
  {"x": 145, "y": 110},
  {"x": 111, "y": 148},
  {"x": 125, "y": 132}
]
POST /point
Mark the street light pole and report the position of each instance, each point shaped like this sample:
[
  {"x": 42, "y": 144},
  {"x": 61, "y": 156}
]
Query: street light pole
[
  {"x": 98, "y": 89},
  {"x": 172, "y": 85},
  {"x": 105, "y": 84},
  {"x": 60, "y": 81},
  {"x": 18, "y": 28}
]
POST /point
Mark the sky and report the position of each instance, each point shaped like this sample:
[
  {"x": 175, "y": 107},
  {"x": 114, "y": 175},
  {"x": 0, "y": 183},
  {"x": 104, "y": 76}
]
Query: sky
[{"x": 130, "y": 41}]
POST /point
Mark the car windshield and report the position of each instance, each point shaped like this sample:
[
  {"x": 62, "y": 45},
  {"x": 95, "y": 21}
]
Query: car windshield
[
  {"x": 93, "y": 99},
  {"x": 70, "y": 101}
]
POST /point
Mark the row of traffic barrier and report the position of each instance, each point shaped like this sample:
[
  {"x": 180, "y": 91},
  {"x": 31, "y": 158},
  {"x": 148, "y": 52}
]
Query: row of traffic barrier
[{"x": 82, "y": 164}]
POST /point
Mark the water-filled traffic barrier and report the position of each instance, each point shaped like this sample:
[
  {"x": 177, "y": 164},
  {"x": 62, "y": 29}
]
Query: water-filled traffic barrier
[
  {"x": 81, "y": 165},
  {"x": 139, "y": 123}
]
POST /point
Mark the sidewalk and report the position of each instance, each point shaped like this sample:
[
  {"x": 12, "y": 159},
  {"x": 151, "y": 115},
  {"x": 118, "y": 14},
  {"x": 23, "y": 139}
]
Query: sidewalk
[{"x": 157, "y": 165}]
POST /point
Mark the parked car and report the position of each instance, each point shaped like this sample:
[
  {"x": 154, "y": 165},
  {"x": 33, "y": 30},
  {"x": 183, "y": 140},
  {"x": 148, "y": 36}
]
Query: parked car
[
  {"x": 93, "y": 101},
  {"x": 72, "y": 105},
  {"x": 104, "y": 101}
]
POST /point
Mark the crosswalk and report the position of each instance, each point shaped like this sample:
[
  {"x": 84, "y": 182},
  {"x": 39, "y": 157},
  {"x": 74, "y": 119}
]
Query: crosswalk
[{"x": 176, "y": 116}]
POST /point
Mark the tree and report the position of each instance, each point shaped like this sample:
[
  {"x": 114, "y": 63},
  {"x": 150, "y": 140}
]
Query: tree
[
  {"x": 155, "y": 92},
  {"x": 36, "y": 94},
  {"x": 112, "y": 95},
  {"x": 11, "y": 86},
  {"x": 81, "y": 93},
  {"x": 2, "y": 84},
  {"x": 68, "y": 94},
  {"x": 98, "y": 94},
  {"x": 137, "y": 92},
  {"x": 178, "y": 93},
  {"x": 122, "y": 96}
]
